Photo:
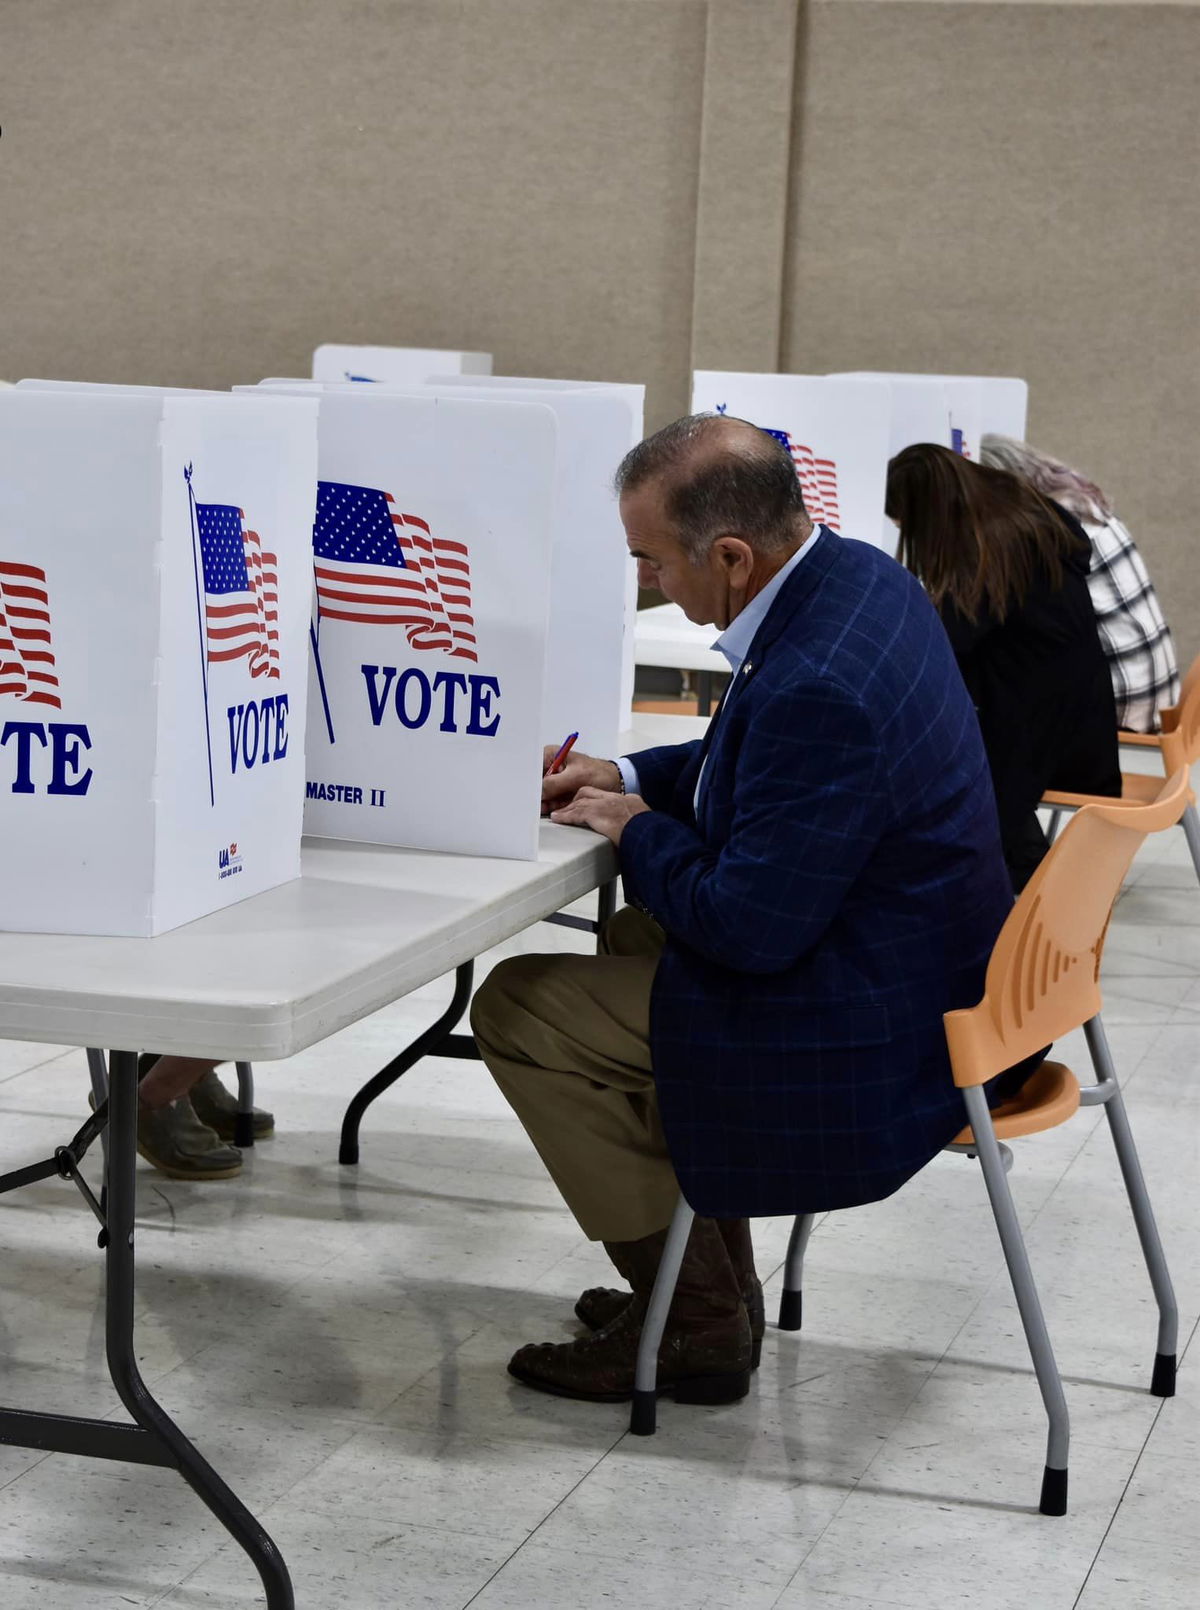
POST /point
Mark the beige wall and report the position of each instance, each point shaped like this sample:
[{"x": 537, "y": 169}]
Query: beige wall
[
  {"x": 1005, "y": 188},
  {"x": 200, "y": 191}
]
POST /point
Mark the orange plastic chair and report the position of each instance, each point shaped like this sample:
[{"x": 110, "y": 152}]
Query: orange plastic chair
[
  {"x": 1042, "y": 982},
  {"x": 1178, "y": 744}
]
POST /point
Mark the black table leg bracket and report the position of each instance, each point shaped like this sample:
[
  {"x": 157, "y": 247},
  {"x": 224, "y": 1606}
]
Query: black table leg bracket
[
  {"x": 65, "y": 1163},
  {"x": 94, "y": 1439},
  {"x": 567, "y": 919}
]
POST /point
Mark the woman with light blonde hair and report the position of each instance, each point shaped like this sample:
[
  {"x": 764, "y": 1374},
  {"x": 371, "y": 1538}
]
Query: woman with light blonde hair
[{"x": 1133, "y": 633}]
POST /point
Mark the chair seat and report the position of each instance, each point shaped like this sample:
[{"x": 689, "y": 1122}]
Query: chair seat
[
  {"x": 1136, "y": 789},
  {"x": 1047, "y": 1098}
]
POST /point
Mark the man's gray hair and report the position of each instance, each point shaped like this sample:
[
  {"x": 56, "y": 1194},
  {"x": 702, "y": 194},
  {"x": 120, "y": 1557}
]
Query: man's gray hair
[
  {"x": 745, "y": 487},
  {"x": 1050, "y": 476}
]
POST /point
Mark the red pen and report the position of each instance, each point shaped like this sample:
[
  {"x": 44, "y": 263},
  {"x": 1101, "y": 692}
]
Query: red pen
[{"x": 560, "y": 759}]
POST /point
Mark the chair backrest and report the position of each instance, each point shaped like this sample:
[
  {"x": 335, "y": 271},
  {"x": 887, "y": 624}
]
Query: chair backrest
[
  {"x": 1043, "y": 978},
  {"x": 1181, "y": 724}
]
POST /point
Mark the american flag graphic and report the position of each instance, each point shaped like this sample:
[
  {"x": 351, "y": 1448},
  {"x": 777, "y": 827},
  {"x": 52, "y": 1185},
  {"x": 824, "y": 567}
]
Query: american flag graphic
[
  {"x": 26, "y": 650},
  {"x": 818, "y": 481},
  {"x": 381, "y": 568},
  {"x": 241, "y": 590}
]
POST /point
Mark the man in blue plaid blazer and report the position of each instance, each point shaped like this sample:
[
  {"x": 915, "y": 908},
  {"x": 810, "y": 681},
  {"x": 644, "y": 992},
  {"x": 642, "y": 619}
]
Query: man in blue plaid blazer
[{"x": 811, "y": 887}]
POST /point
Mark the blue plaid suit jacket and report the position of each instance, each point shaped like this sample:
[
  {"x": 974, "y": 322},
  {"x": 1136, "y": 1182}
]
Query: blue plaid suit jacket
[{"x": 840, "y": 891}]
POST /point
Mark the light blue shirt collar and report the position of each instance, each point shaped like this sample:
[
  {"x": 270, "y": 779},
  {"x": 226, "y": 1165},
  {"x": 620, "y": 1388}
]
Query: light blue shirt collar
[{"x": 734, "y": 642}]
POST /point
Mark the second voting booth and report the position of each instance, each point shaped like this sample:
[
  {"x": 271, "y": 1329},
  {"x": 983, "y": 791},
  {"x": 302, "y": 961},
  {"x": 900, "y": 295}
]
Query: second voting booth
[
  {"x": 835, "y": 430},
  {"x": 431, "y": 557},
  {"x": 589, "y": 655},
  {"x": 955, "y": 411},
  {"x": 154, "y": 584},
  {"x": 603, "y": 517}
]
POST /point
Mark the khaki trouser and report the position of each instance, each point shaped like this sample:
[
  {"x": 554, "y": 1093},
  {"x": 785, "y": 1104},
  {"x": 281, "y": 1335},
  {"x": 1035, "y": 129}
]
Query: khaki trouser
[{"x": 567, "y": 1039}]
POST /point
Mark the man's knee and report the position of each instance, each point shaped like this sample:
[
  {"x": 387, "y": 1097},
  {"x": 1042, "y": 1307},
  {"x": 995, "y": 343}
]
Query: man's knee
[
  {"x": 630, "y": 932},
  {"x": 507, "y": 994}
]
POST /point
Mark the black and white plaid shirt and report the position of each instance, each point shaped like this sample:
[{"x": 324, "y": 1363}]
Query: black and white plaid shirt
[{"x": 1135, "y": 637}]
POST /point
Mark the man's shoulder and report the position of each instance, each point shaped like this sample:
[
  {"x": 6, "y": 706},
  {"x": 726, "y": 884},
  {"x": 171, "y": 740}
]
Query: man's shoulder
[
  {"x": 863, "y": 564},
  {"x": 846, "y": 569},
  {"x": 861, "y": 608},
  {"x": 866, "y": 639}
]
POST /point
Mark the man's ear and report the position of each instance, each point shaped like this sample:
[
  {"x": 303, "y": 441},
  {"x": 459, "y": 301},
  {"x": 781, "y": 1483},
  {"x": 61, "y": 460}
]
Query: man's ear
[{"x": 733, "y": 553}]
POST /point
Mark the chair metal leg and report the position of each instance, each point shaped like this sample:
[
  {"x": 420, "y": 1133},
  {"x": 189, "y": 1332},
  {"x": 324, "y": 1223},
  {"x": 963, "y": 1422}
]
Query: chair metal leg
[
  {"x": 1053, "y": 825},
  {"x": 791, "y": 1302},
  {"x": 1162, "y": 1381},
  {"x": 643, "y": 1416},
  {"x": 243, "y": 1123},
  {"x": 1190, "y": 824},
  {"x": 1054, "y": 1479}
]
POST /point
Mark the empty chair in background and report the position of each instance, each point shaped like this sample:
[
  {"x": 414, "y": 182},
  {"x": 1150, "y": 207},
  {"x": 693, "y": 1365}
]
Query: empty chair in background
[{"x": 1134, "y": 634}]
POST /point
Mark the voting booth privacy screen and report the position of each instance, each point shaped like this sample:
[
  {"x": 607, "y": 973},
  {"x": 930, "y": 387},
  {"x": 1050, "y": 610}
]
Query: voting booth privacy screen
[
  {"x": 589, "y": 654},
  {"x": 410, "y": 365},
  {"x": 574, "y": 690},
  {"x": 154, "y": 583},
  {"x": 835, "y": 430},
  {"x": 955, "y": 411},
  {"x": 431, "y": 554}
]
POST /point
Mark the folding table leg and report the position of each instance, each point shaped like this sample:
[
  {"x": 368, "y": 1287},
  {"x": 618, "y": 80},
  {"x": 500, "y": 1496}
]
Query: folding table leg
[
  {"x": 132, "y": 1390},
  {"x": 606, "y": 904},
  {"x": 98, "y": 1071},
  {"x": 438, "y": 1038},
  {"x": 243, "y": 1123}
]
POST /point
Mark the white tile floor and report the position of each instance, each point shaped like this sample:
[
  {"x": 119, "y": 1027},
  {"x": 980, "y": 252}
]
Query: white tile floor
[{"x": 335, "y": 1340}]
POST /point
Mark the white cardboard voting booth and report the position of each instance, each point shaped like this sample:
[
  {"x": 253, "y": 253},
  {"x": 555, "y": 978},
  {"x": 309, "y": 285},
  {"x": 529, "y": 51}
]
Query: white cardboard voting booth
[
  {"x": 955, "y": 411},
  {"x": 634, "y": 397},
  {"x": 409, "y": 365},
  {"x": 431, "y": 552},
  {"x": 836, "y": 431},
  {"x": 589, "y": 653},
  {"x": 154, "y": 585}
]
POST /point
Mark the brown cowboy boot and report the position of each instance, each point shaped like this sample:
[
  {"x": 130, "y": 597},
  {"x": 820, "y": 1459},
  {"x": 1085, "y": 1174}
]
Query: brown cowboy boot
[
  {"x": 705, "y": 1351},
  {"x": 600, "y": 1305}
]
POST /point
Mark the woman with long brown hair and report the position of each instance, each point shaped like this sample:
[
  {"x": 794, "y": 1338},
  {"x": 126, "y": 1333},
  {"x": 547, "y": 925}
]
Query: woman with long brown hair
[{"x": 1006, "y": 569}]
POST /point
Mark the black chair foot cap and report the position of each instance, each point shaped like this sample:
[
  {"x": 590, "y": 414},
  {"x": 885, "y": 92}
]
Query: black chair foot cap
[
  {"x": 1054, "y": 1492},
  {"x": 643, "y": 1416},
  {"x": 243, "y": 1130},
  {"x": 791, "y": 1309},
  {"x": 347, "y": 1154},
  {"x": 1162, "y": 1382}
]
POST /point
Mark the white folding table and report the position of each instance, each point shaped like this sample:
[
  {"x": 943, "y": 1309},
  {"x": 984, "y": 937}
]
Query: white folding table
[
  {"x": 362, "y": 926},
  {"x": 664, "y": 636}
]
